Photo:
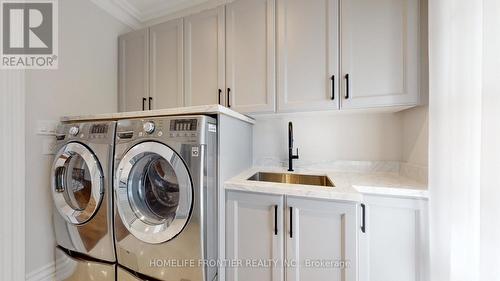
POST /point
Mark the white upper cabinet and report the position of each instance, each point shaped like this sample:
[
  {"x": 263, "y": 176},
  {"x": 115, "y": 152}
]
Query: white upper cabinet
[
  {"x": 324, "y": 232},
  {"x": 254, "y": 224},
  {"x": 307, "y": 54},
  {"x": 250, "y": 55},
  {"x": 166, "y": 64},
  {"x": 133, "y": 65},
  {"x": 380, "y": 53},
  {"x": 261, "y": 56},
  {"x": 204, "y": 57}
]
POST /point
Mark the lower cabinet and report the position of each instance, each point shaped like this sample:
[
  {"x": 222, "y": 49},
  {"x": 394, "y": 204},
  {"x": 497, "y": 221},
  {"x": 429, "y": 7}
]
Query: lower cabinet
[
  {"x": 321, "y": 243},
  {"x": 254, "y": 233},
  {"x": 274, "y": 237},
  {"x": 394, "y": 244}
]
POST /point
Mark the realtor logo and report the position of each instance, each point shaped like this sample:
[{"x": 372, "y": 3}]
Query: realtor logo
[{"x": 29, "y": 34}]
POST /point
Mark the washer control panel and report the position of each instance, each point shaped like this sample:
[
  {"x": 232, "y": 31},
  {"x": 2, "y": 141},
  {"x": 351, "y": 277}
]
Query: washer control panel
[{"x": 95, "y": 132}]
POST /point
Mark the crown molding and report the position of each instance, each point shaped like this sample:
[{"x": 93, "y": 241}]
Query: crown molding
[
  {"x": 125, "y": 12},
  {"x": 122, "y": 11},
  {"x": 168, "y": 8}
]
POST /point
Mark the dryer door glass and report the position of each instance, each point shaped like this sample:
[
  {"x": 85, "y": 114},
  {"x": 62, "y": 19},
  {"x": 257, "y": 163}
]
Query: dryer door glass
[
  {"x": 77, "y": 183},
  {"x": 153, "y": 189},
  {"x": 154, "y": 192}
]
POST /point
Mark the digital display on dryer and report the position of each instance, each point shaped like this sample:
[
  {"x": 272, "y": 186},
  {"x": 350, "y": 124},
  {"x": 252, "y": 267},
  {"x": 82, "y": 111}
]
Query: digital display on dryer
[
  {"x": 183, "y": 125},
  {"x": 99, "y": 129}
]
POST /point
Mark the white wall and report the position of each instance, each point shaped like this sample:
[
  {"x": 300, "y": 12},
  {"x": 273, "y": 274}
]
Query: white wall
[
  {"x": 455, "y": 40},
  {"x": 490, "y": 162},
  {"x": 86, "y": 82},
  {"x": 324, "y": 137},
  {"x": 415, "y": 135}
]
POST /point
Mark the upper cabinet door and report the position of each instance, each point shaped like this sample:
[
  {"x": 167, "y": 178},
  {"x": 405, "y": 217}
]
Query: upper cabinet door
[
  {"x": 204, "y": 57},
  {"x": 307, "y": 54},
  {"x": 166, "y": 64},
  {"x": 320, "y": 236},
  {"x": 380, "y": 53},
  {"x": 133, "y": 86},
  {"x": 250, "y": 54}
]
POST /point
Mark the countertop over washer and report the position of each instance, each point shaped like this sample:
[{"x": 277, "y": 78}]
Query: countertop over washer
[{"x": 189, "y": 110}]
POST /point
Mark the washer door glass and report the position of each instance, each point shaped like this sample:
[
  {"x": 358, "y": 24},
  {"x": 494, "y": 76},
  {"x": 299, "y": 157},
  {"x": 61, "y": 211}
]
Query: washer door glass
[
  {"x": 77, "y": 183},
  {"x": 153, "y": 192}
]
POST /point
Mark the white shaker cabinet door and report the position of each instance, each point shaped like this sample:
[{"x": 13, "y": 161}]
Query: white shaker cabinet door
[
  {"x": 254, "y": 232},
  {"x": 166, "y": 64},
  {"x": 250, "y": 55},
  {"x": 307, "y": 55},
  {"x": 133, "y": 68},
  {"x": 321, "y": 240},
  {"x": 394, "y": 246},
  {"x": 380, "y": 53},
  {"x": 204, "y": 57}
]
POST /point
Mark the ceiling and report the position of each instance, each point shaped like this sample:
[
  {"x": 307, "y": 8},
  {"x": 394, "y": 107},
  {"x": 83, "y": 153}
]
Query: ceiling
[{"x": 136, "y": 13}]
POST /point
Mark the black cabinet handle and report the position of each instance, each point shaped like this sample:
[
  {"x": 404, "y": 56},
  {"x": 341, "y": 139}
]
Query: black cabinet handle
[
  {"x": 291, "y": 222},
  {"x": 333, "y": 87},
  {"x": 275, "y": 219},
  {"x": 228, "y": 97},
  {"x": 143, "y": 102},
  {"x": 220, "y": 93},
  {"x": 363, "y": 225},
  {"x": 150, "y": 100},
  {"x": 346, "y": 86}
]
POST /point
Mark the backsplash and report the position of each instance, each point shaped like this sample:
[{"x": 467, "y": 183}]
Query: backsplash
[{"x": 359, "y": 142}]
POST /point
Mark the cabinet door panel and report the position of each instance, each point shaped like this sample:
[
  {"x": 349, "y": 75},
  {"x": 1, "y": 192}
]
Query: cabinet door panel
[
  {"x": 307, "y": 54},
  {"x": 133, "y": 68},
  {"x": 204, "y": 56},
  {"x": 250, "y": 235},
  {"x": 166, "y": 61},
  {"x": 324, "y": 240},
  {"x": 393, "y": 248},
  {"x": 250, "y": 36},
  {"x": 380, "y": 52}
]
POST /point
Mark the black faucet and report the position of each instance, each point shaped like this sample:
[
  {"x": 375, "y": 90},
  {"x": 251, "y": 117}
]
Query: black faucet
[{"x": 290, "y": 148}]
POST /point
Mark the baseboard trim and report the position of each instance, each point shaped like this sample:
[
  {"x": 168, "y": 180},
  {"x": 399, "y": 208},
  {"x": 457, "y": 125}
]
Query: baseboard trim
[{"x": 44, "y": 273}]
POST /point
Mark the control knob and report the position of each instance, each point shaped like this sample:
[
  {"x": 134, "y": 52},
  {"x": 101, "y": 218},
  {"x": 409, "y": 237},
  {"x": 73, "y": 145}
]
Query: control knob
[
  {"x": 74, "y": 131},
  {"x": 149, "y": 127}
]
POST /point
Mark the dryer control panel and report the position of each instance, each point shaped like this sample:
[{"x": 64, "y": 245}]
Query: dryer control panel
[{"x": 186, "y": 129}]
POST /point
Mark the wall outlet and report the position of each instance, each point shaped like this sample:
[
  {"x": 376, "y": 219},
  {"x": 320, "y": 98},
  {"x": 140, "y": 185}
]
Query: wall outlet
[{"x": 46, "y": 127}]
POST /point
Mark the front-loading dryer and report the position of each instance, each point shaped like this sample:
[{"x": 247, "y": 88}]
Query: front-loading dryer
[
  {"x": 81, "y": 187},
  {"x": 165, "y": 197}
]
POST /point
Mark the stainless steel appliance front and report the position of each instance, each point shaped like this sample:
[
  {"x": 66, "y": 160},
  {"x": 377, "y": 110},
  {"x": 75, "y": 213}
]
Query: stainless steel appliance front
[
  {"x": 70, "y": 268},
  {"x": 165, "y": 193},
  {"x": 82, "y": 188}
]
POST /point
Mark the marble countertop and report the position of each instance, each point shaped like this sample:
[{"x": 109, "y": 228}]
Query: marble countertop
[
  {"x": 203, "y": 109},
  {"x": 349, "y": 186}
]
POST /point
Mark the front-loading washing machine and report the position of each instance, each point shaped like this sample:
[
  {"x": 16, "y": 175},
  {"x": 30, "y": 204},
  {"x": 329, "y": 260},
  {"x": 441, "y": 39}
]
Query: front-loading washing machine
[
  {"x": 81, "y": 188},
  {"x": 166, "y": 197}
]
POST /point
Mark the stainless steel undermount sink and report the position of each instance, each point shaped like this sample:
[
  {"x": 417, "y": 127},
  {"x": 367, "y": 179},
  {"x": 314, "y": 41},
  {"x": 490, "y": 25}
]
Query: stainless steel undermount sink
[{"x": 292, "y": 179}]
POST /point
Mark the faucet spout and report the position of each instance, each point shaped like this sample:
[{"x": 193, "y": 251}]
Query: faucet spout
[{"x": 291, "y": 156}]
